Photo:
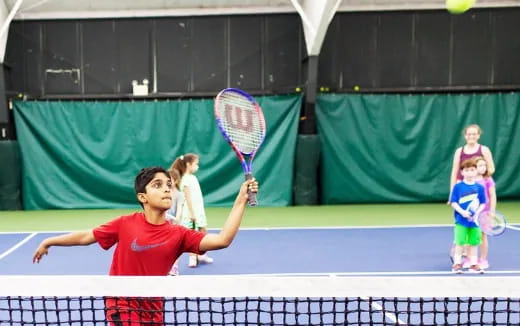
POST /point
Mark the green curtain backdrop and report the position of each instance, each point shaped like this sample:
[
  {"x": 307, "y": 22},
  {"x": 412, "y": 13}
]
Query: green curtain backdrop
[
  {"x": 399, "y": 148},
  {"x": 86, "y": 154},
  {"x": 10, "y": 176}
]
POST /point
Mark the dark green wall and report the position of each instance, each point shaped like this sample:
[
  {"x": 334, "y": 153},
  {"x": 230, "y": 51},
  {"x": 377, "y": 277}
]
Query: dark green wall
[
  {"x": 86, "y": 154},
  {"x": 374, "y": 148},
  {"x": 399, "y": 148},
  {"x": 10, "y": 176}
]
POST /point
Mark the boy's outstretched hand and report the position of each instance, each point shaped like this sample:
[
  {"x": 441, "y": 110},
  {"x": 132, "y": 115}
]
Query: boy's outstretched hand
[
  {"x": 251, "y": 185},
  {"x": 40, "y": 252}
]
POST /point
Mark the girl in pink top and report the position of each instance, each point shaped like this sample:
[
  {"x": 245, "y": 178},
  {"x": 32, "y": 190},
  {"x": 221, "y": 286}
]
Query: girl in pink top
[{"x": 491, "y": 203}]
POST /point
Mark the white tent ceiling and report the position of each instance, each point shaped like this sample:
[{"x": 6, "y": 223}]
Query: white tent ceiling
[{"x": 63, "y": 9}]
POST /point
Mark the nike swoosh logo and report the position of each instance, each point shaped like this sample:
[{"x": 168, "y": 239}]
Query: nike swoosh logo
[{"x": 135, "y": 247}]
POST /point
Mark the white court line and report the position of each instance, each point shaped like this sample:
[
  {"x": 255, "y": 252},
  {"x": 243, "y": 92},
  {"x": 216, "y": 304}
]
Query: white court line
[
  {"x": 279, "y": 228},
  {"x": 389, "y": 315},
  {"x": 25, "y": 232},
  {"x": 427, "y": 273},
  {"x": 512, "y": 227},
  {"x": 18, "y": 245},
  {"x": 515, "y": 227}
]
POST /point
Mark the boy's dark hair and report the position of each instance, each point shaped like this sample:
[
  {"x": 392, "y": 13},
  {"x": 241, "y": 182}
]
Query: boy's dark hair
[
  {"x": 469, "y": 163},
  {"x": 145, "y": 176}
]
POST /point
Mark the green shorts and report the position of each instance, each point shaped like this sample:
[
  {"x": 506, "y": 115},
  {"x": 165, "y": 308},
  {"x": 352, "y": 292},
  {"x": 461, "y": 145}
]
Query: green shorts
[{"x": 467, "y": 236}]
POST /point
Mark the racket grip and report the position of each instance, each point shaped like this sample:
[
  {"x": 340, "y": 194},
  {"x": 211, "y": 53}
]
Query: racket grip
[{"x": 251, "y": 196}]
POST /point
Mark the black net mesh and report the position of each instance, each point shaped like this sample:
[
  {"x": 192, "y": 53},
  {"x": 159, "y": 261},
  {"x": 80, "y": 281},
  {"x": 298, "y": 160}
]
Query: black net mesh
[{"x": 258, "y": 310}]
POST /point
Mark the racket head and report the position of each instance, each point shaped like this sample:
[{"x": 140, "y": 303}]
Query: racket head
[
  {"x": 492, "y": 224},
  {"x": 240, "y": 120}
]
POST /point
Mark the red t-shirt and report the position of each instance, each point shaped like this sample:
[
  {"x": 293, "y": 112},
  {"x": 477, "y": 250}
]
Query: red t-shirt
[{"x": 143, "y": 249}]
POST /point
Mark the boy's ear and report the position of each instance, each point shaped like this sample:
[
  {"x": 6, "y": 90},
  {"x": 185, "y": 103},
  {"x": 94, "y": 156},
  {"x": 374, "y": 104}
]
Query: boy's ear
[{"x": 142, "y": 198}]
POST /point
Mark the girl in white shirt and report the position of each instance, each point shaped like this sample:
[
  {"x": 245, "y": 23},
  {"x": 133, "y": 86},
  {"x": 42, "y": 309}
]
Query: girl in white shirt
[
  {"x": 173, "y": 215},
  {"x": 193, "y": 213}
]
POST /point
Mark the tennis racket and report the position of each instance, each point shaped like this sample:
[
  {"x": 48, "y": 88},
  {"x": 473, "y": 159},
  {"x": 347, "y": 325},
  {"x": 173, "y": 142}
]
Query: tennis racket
[
  {"x": 241, "y": 122},
  {"x": 473, "y": 206},
  {"x": 492, "y": 224}
]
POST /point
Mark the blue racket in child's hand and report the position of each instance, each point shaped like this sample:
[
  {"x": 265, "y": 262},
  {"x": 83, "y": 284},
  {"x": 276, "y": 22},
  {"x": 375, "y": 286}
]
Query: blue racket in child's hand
[
  {"x": 241, "y": 121},
  {"x": 473, "y": 207}
]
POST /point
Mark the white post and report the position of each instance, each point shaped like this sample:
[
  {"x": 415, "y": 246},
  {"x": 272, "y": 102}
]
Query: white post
[
  {"x": 6, "y": 17},
  {"x": 316, "y": 16}
]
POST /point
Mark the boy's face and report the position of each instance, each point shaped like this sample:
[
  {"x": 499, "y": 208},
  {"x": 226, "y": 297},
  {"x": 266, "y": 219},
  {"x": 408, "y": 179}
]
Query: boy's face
[
  {"x": 469, "y": 173},
  {"x": 158, "y": 192}
]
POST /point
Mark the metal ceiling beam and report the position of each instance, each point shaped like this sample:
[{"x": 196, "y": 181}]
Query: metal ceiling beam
[
  {"x": 6, "y": 21},
  {"x": 131, "y": 13},
  {"x": 67, "y": 9},
  {"x": 394, "y": 5}
]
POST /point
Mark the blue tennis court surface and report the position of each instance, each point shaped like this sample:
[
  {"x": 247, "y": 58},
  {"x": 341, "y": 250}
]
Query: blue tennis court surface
[
  {"x": 392, "y": 251},
  {"x": 305, "y": 251}
]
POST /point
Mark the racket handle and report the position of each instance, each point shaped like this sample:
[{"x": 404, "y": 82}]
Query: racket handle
[{"x": 251, "y": 196}]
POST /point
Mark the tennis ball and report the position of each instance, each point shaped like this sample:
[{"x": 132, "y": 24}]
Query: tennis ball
[
  {"x": 459, "y": 6},
  {"x": 298, "y": 89},
  {"x": 356, "y": 88}
]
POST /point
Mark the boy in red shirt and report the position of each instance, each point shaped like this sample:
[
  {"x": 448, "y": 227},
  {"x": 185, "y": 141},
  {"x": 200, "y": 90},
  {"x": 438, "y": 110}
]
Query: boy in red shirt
[{"x": 147, "y": 244}]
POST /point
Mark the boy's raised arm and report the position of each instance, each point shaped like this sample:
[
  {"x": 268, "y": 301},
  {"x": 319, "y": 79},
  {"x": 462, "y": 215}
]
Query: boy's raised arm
[{"x": 224, "y": 238}]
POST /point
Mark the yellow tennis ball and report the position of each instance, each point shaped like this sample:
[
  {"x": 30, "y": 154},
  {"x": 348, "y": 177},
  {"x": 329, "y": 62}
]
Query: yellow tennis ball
[
  {"x": 459, "y": 6},
  {"x": 356, "y": 88},
  {"x": 298, "y": 89}
]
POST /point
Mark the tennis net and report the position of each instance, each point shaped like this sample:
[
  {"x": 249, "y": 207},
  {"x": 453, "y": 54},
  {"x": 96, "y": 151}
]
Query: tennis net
[{"x": 259, "y": 300}]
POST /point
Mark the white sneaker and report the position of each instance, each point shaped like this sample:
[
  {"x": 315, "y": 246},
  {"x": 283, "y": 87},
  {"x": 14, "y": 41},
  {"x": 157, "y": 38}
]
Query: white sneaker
[
  {"x": 174, "y": 271},
  {"x": 192, "y": 262},
  {"x": 205, "y": 259}
]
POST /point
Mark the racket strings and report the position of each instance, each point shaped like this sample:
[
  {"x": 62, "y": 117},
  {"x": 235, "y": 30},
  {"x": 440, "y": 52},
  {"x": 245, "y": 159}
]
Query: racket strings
[
  {"x": 241, "y": 121},
  {"x": 492, "y": 224}
]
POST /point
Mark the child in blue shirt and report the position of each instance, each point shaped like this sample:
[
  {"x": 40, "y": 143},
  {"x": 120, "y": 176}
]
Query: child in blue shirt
[{"x": 468, "y": 199}]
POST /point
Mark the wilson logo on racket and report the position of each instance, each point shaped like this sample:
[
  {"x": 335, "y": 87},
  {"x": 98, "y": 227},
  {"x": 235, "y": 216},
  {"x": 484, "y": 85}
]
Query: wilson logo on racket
[{"x": 237, "y": 121}]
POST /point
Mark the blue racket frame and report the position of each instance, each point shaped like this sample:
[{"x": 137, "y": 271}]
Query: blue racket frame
[{"x": 246, "y": 165}]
